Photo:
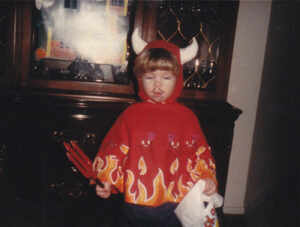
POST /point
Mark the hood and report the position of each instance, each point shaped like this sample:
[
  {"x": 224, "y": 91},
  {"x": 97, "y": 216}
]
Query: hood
[{"x": 172, "y": 48}]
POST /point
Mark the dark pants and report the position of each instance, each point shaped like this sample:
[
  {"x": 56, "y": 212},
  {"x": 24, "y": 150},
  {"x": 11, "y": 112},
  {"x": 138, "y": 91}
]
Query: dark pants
[{"x": 146, "y": 216}]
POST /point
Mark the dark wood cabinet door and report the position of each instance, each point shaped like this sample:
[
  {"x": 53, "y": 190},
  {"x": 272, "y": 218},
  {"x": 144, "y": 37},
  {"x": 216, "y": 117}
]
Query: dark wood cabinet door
[{"x": 10, "y": 47}]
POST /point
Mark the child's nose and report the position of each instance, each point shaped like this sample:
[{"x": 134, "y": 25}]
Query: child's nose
[{"x": 157, "y": 82}]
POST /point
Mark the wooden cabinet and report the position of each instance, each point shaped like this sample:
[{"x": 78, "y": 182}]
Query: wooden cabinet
[{"x": 40, "y": 186}]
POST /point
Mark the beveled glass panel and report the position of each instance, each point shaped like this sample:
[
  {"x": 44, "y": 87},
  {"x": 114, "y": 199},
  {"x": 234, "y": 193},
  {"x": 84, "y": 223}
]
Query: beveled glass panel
[{"x": 179, "y": 21}]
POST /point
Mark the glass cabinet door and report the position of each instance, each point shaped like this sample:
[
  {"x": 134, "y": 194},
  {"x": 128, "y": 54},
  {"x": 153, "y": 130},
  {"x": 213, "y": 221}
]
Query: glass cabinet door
[
  {"x": 212, "y": 23},
  {"x": 74, "y": 41},
  {"x": 81, "y": 40}
]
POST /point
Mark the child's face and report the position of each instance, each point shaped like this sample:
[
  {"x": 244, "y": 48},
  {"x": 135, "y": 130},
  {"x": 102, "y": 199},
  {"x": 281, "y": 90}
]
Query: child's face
[{"x": 159, "y": 85}]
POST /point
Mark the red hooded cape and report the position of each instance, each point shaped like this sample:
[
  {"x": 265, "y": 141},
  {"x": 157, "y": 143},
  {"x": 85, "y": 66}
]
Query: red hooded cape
[{"x": 155, "y": 152}]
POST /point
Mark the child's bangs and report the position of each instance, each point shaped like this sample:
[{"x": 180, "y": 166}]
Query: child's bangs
[
  {"x": 160, "y": 65},
  {"x": 156, "y": 59}
]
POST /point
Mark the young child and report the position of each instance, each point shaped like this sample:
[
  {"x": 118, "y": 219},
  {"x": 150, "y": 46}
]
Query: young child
[{"x": 156, "y": 151}]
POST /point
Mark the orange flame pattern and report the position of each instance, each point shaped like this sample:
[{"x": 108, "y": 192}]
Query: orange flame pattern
[
  {"x": 201, "y": 168},
  {"x": 136, "y": 190},
  {"x": 160, "y": 193},
  {"x": 108, "y": 172}
]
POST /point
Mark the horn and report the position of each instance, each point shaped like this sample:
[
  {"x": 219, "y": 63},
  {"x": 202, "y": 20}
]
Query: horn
[
  {"x": 138, "y": 44},
  {"x": 189, "y": 52}
]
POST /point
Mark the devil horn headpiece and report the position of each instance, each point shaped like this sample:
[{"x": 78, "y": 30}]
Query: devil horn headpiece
[{"x": 186, "y": 54}]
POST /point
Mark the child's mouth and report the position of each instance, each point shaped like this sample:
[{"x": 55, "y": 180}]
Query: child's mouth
[{"x": 158, "y": 93}]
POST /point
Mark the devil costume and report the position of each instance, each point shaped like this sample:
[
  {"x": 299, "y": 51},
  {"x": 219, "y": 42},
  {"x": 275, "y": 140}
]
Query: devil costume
[{"x": 155, "y": 152}]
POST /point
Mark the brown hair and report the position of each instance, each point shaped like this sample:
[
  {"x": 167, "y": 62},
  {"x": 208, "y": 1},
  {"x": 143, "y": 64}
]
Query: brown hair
[{"x": 155, "y": 59}]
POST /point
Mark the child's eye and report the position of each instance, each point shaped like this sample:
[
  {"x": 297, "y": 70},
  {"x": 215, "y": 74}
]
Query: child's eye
[{"x": 168, "y": 77}]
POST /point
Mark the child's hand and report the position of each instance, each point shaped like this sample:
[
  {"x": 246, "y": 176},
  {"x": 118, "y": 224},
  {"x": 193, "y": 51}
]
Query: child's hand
[
  {"x": 210, "y": 187},
  {"x": 103, "y": 192}
]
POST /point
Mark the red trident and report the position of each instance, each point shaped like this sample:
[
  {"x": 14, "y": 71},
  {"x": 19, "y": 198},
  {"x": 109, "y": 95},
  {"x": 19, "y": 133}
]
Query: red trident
[{"x": 81, "y": 160}]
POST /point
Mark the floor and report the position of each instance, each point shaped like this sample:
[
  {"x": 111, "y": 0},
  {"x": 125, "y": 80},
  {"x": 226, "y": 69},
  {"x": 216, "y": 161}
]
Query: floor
[
  {"x": 281, "y": 209},
  {"x": 278, "y": 209}
]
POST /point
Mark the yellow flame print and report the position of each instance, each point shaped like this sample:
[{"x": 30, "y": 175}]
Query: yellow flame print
[
  {"x": 124, "y": 149},
  {"x": 200, "y": 166},
  {"x": 142, "y": 192},
  {"x": 199, "y": 169},
  {"x": 189, "y": 166},
  {"x": 142, "y": 166},
  {"x": 98, "y": 164},
  {"x": 159, "y": 192},
  {"x": 129, "y": 196},
  {"x": 174, "y": 166},
  {"x": 169, "y": 196},
  {"x": 106, "y": 172},
  {"x": 141, "y": 196},
  {"x": 200, "y": 150},
  {"x": 183, "y": 190},
  {"x": 212, "y": 164}
]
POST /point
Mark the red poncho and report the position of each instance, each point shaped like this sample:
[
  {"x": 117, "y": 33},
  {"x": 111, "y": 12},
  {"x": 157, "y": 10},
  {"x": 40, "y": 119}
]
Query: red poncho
[{"x": 155, "y": 152}]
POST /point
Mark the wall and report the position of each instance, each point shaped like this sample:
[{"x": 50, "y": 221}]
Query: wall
[
  {"x": 243, "y": 92},
  {"x": 261, "y": 81}
]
